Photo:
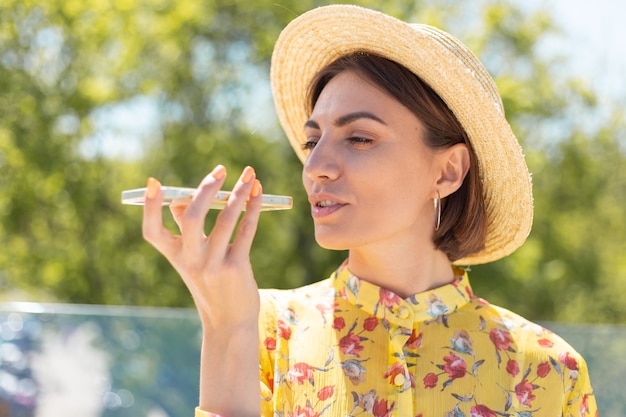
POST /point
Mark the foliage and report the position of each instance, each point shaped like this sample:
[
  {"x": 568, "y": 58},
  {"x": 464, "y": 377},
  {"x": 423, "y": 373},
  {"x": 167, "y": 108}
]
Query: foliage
[
  {"x": 195, "y": 73},
  {"x": 573, "y": 265}
]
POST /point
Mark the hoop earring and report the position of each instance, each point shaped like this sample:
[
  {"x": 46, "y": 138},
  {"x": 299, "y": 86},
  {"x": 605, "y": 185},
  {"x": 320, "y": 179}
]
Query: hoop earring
[{"x": 437, "y": 206}]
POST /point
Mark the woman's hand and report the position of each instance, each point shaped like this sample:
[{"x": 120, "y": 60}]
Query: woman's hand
[
  {"x": 217, "y": 272},
  {"x": 219, "y": 275}
]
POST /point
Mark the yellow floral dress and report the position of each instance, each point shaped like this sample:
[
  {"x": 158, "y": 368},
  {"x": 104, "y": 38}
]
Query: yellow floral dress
[{"x": 344, "y": 347}]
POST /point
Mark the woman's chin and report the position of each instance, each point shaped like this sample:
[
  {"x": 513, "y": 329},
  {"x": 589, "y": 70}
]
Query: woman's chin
[{"x": 331, "y": 243}]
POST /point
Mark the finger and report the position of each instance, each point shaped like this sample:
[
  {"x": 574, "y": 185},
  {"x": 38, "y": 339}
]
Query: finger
[
  {"x": 152, "y": 226},
  {"x": 192, "y": 220},
  {"x": 248, "y": 226},
  {"x": 227, "y": 220}
]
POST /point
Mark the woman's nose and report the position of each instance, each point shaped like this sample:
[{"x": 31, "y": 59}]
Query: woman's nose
[{"x": 322, "y": 164}]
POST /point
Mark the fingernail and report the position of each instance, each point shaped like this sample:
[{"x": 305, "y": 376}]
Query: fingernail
[
  {"x": 247, "y": 175},
  {"x": 219, "y": 172},
  {"x": 153, "y": 187},
  {"x": 256, "y": 188}
]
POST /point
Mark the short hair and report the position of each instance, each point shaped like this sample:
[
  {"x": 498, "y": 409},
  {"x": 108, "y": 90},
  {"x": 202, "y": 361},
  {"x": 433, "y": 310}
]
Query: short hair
[{"x": 463, "y": 227}]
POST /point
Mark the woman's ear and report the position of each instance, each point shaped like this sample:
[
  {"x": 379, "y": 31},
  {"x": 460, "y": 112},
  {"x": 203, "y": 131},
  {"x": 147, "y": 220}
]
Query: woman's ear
[{"x": 454, "y": 163}]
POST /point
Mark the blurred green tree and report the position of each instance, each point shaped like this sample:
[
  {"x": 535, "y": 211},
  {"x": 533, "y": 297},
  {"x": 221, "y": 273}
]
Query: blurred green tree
[
  {"x": 192, "y": 78},
  {"x": 573, "y": 266}
]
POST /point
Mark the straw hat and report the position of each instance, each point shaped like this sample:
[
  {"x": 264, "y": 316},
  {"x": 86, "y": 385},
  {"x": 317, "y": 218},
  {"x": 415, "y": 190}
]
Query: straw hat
[{"x": 321, "y": 35}]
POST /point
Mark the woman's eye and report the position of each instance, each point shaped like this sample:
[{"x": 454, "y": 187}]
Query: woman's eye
[
  {"x": 356, "y": 140},
  {"x": 309, "y": 145}
]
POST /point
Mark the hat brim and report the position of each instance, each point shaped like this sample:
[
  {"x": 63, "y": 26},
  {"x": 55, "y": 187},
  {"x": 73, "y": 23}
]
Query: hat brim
[{"x": 320, "y": 36}]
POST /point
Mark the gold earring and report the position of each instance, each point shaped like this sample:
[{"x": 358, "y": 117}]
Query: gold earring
[{"x": 437, "y": 206}]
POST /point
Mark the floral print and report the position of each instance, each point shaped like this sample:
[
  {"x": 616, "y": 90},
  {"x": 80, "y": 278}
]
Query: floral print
[{"x": 344, "y": 347}]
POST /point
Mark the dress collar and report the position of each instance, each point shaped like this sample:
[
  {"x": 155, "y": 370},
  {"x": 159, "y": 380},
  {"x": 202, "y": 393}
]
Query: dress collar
[{"x": 432, "y": 305}]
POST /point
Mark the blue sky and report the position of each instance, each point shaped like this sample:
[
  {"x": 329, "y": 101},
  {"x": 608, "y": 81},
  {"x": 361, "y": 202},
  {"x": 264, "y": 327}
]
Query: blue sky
[{"x": 596, "y": 41}]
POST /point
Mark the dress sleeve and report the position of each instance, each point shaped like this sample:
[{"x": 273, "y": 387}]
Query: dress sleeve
[
  {"x": 582, "y": 401},
  {"x": 201, "y": 413},
  {"x": 267, "y": 351}
]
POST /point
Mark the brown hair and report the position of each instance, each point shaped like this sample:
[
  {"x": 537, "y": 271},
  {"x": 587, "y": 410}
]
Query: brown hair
[{"x": 463, "y": 227}]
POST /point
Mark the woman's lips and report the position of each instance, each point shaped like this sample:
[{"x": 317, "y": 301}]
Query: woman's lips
[
  {"x": 322, "y": 205},
  {"x": 322, "y": 210}
]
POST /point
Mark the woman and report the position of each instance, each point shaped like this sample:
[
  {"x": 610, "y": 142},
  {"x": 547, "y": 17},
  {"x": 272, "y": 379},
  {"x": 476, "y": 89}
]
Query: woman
[{"x": 410, "y": 165}]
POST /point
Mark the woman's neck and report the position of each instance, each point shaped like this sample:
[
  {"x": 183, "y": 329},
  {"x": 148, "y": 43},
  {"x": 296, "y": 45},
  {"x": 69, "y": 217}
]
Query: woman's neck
[{"x": 403, "y": 273}]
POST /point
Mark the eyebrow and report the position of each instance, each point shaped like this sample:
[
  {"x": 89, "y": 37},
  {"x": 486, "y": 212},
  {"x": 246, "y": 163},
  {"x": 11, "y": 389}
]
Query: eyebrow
[{"x": 348, "y": 118}]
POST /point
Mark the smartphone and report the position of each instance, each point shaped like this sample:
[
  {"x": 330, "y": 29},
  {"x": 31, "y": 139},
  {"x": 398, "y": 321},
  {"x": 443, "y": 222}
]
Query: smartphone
[{"x": 182, "y": 196}]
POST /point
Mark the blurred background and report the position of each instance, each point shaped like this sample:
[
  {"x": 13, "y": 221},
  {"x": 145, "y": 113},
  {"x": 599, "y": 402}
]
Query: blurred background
[{"x": 97, "y": 95}]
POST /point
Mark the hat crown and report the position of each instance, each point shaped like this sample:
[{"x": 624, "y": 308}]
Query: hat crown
[{"x": 466, "y": 57}]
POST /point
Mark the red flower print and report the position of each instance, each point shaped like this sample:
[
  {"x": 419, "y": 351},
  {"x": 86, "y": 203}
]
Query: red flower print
[
  {"x": 270, "y": 343},
  {"x": 546, "y": 343},
  {"x": 524, "y": 393},
  {"x": 326, "y": 307},
  {"x": 370, "y": 323},
  {"x": 339, "y": 323},
  {"x": 501, "y": 339},
  {"x": 430, "y": 380},
  {"x": 306, "y": 411},
  {"x": 512, "y": 367},
  {"x": 388, "y": 298},
  {"x": 415, "y": 341},
  {"x": 300, "y": 372},
  {"x": 326, "y": 392},
  {"x": 380, "y": 408},
  {"x": 481, "y": 300},
  {"x": 455, "y": 366},
  {"x": 270, "y": 379},
  {"x": 543, "y": 369},
  {"x": 350, "y": 344},
  {"x": 284, "y": 331},
  {"x": 469, "y": 292},
  {"x": 480, "y": 410},
  {"x": 568, "y": 361},
  {"x": 393, "y": 371},
  {"x": 584, "y": 406}
]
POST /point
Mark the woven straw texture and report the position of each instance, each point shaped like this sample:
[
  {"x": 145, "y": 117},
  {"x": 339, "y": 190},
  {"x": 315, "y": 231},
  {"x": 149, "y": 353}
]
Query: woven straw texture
[{"x": 321, "y": 35}]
